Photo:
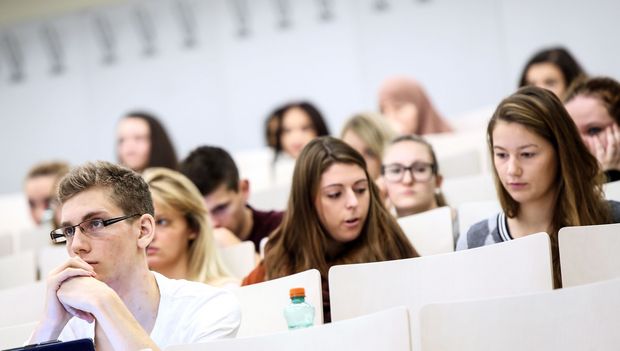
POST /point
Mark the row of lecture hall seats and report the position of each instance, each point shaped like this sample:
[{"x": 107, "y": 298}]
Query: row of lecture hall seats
[{"x": 494, "y": 297}]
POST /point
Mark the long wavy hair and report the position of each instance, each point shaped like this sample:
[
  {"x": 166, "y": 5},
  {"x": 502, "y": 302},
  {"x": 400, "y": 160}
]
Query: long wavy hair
[
  {"x": 172, "y": 189},
  {"x": 579, "y": 200},
  {"x": 301, "y": 242}
]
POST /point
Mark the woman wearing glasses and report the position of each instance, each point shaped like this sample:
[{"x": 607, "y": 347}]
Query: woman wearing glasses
[{"x": 411, "y": 176}]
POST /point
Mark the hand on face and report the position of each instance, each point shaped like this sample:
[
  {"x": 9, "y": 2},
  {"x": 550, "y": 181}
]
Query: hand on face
[
  {"x": 56, "y": 311},
  {"x": 605, "y": 146}
]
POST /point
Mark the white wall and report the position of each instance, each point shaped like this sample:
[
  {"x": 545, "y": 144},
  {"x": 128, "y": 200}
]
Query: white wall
[{"x": 468, "y": 54}]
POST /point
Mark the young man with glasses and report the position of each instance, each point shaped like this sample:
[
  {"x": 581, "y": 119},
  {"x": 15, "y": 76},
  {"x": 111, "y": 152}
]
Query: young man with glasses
[
  {"x": 411, "y": 176},
  {"x": 215, "y": 174},
  {"x": 105, "y": 291}
]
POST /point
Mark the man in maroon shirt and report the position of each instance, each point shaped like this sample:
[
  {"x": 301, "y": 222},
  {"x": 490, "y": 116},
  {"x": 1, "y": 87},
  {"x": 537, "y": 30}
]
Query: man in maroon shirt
[{"x": 215, "y": 174}]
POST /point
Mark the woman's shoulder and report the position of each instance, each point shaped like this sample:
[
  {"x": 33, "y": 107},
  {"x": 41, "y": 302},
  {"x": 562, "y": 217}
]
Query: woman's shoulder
[
  {"x": 256, "y": 276},
  {"x": 478, "y": 233}
]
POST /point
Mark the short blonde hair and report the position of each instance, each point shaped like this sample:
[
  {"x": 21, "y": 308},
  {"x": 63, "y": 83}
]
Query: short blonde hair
[{"x": 176, "y": 191}]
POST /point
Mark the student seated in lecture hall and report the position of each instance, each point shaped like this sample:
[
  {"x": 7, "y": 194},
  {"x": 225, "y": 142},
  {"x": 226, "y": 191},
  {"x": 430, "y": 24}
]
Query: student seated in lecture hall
[
  {"x": 335, "y": 215},
  {"x": 106, "y": 291},
  {"x": 183, "y": 246},
  {"x": 225, "y": 195},
  {"x": 545, "y": 176}
]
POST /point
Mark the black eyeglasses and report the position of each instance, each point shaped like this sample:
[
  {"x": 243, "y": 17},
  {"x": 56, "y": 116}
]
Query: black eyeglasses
[
  {"x": 420, "y": 171},
  {"x": 90, "y": 227}
]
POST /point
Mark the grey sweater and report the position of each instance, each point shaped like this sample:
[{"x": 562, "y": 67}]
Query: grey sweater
[{"x": 495, "y": 230}]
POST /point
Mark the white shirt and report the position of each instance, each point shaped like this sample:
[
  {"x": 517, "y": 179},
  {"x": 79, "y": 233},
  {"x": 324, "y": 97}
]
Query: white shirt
[{"x": 189, "y": 312}]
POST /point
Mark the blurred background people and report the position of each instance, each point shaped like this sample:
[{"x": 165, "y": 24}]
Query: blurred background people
[
  {"x": 40, "y": 187},
  {"x": 291, "y": 126},
  {"x": 142, "y": 142},
  {"x": 408, "y": 109},
  {"x": 368, "y": 134},
  {"x": 552, "y": 68},
  {"x": 225, "y": 195}
]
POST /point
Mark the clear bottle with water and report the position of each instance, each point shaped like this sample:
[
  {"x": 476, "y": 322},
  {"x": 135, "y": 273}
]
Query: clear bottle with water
[{"x": 299, "y": 313}]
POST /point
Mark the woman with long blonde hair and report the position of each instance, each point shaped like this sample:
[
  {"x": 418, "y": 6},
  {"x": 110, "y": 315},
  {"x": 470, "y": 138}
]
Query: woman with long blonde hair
[{"x": 183, "y": 247}]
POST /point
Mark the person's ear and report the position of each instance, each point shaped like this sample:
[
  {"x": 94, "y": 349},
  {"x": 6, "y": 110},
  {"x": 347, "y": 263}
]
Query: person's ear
[
  {"x": 244, "y": 189},
  {"x": 147, "y": 230},
  {"x": 438, "y": 181}
]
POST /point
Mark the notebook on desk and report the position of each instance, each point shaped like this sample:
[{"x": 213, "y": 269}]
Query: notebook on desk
[{"x": 75, "y": 345}]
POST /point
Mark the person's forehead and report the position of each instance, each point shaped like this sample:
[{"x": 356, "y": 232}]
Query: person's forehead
[
  {"x": 94, "y": 200},
  {"x": 342, "y": 173},
  {"x": 221, "y": 194},
  {"x": 407, "y": 151},
  {"x": 42, "y": 182}
]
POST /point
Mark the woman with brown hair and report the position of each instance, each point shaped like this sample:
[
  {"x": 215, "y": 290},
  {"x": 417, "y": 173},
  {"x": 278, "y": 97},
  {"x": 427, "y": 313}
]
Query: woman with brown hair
[
  {"x": 334, "y": 216},
  {"x": 594, "y": 106},
  {"x": 142, "y": 142},
  {"x": 545, "y": 177},
  {"x": 552, "y": 68}
]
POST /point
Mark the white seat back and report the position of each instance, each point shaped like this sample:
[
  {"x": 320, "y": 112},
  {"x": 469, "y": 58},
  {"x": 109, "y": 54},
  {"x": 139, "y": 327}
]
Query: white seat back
[
  {"x": 34, "y": 239},
  {"x": 274, "y": 198},
  {"x": 518, "y": 266},
  {"x": 385, "y": 330},
  {"x": 430, "y": 232},
  {"x": 18, "y": 269},
  {"x": 569, "y": 319},
  {"x": 6, "y": 244},
  {"x": 454, "y": 150},
  {"x": 14, "y": 213},
  {"x": 255, "y": 165},
  {"x": 22, "y": 304},
  {"x": 612, "y": 190},
  {"x": 16, "y": 335},
  {"x": 589, "y": 253},
  {"x": 458, "y": 191},
  {"x": 262, "y": 304},
  {"x": 51, "y": 257},
  {"x": 463, "y": 164},
  {"x": 240, "y": 258},
  {"x": 470, "y": 213}
]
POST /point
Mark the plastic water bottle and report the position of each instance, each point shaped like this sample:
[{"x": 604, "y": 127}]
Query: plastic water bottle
[{"x": 299, "y": 313}]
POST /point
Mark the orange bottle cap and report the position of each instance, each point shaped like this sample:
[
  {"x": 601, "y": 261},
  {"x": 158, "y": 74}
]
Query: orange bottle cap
[{"x": 297, "y": 292}]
